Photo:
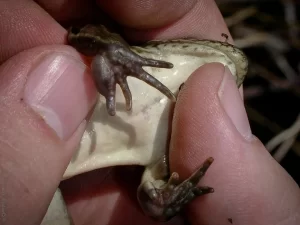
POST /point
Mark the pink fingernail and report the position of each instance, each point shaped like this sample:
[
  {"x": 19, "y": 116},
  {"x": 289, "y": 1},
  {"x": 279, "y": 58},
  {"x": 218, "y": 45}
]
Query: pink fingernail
[
  {"x": 60, "y": 89},
  {"x": 233, "y": 104}
]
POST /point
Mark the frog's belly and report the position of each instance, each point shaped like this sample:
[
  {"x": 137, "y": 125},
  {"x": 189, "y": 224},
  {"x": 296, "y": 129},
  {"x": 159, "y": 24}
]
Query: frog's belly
[{"x": 137, "y": 137}]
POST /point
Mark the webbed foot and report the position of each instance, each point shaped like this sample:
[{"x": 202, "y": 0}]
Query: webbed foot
[
  {"x": 115, "y": 64},
  {"x": 162, "y": 200}
]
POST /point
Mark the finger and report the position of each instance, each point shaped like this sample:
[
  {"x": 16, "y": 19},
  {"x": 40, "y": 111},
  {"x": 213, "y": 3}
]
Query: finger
[
  {"x": 46, "y": 93},
  {"x": 170, "y": 19},
  {"x": 65, "y": 11},
  {"x": 147, "y": 13},
  {"x": 24, "y": 25},
  {"x": 210, "y": 120}
]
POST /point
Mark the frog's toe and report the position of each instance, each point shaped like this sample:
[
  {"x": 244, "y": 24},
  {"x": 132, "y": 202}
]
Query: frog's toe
[
  {"x": 163, "y": 203},
  {"x": 110, "y": 95},
  {"x": 135, "y": 69},
  {"x": 111, "y": 105},
  {"x": 152, "y": 81},
  {"x": 156, "y": 63},
  {"x": 126, "y": 92},
  {"x": 107, "y": 88}
]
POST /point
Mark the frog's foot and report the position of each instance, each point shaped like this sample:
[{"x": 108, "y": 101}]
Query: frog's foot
[
  {"x": 162, "y": 200},
  {"x": 113, "y": 67}
]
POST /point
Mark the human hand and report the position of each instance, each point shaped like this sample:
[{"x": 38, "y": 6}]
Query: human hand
[{"x": 249, "y": 184}]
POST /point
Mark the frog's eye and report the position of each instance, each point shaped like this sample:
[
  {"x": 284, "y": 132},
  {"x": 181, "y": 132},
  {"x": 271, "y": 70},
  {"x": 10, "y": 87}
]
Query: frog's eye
[{"x": 74, "y": 30}]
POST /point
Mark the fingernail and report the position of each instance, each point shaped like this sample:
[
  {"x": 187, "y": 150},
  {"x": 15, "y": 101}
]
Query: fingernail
[
  {"x": 60, "y": 89},
  {"x": 233, "y": 105}
]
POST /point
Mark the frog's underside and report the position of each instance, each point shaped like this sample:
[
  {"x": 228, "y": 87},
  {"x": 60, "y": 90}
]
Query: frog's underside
[{"x": 139, "y": 137}]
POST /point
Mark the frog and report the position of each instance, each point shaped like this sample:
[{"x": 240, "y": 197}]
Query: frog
[{"x": 139, "y": 129}]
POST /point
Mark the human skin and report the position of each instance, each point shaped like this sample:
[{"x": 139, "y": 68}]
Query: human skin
[{"x": 209, "y": 120}]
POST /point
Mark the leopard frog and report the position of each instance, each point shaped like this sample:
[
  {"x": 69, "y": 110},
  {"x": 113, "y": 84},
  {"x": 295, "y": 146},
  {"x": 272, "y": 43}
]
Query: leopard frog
[{"x": 135, "y": 131}]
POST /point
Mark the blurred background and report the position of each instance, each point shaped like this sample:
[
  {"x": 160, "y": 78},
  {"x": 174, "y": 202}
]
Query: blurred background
[{"x": 268, "y": 32}]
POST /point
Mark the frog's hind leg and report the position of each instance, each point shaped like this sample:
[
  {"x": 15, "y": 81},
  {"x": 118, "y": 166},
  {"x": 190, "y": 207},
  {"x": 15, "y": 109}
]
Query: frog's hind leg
[{"x": 162, "y": 195}]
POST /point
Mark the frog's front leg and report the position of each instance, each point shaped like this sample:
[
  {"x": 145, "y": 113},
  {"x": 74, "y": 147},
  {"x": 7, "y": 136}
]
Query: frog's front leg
[
  {"x": 162, "y": 196},
  {"x": 112, "y": 67}
]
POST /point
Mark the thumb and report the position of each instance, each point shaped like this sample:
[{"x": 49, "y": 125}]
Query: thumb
[
  {"x": 45, "y": 95},
  {"x": 250, "y": 186}
]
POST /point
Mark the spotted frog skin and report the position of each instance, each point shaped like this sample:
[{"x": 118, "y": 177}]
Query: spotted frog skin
[{"x": 160, "y": 194}]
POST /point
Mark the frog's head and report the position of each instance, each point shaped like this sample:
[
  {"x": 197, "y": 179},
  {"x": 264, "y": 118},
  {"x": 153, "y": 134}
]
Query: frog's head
[
  {"x": 83, "y": 40},
  {"x": 93, "y": 39}
]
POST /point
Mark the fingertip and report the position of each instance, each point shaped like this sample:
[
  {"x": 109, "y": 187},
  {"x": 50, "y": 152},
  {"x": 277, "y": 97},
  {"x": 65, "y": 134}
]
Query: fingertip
[
  {"x": 195, "y": 112},
  {"x": 202, "y": 120},
  {"x": 168, "y": 19},
  {"x": 33, "y": 154},
  {"x": 247, "y": 181},
  {"x": 147, "y": 13}
]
